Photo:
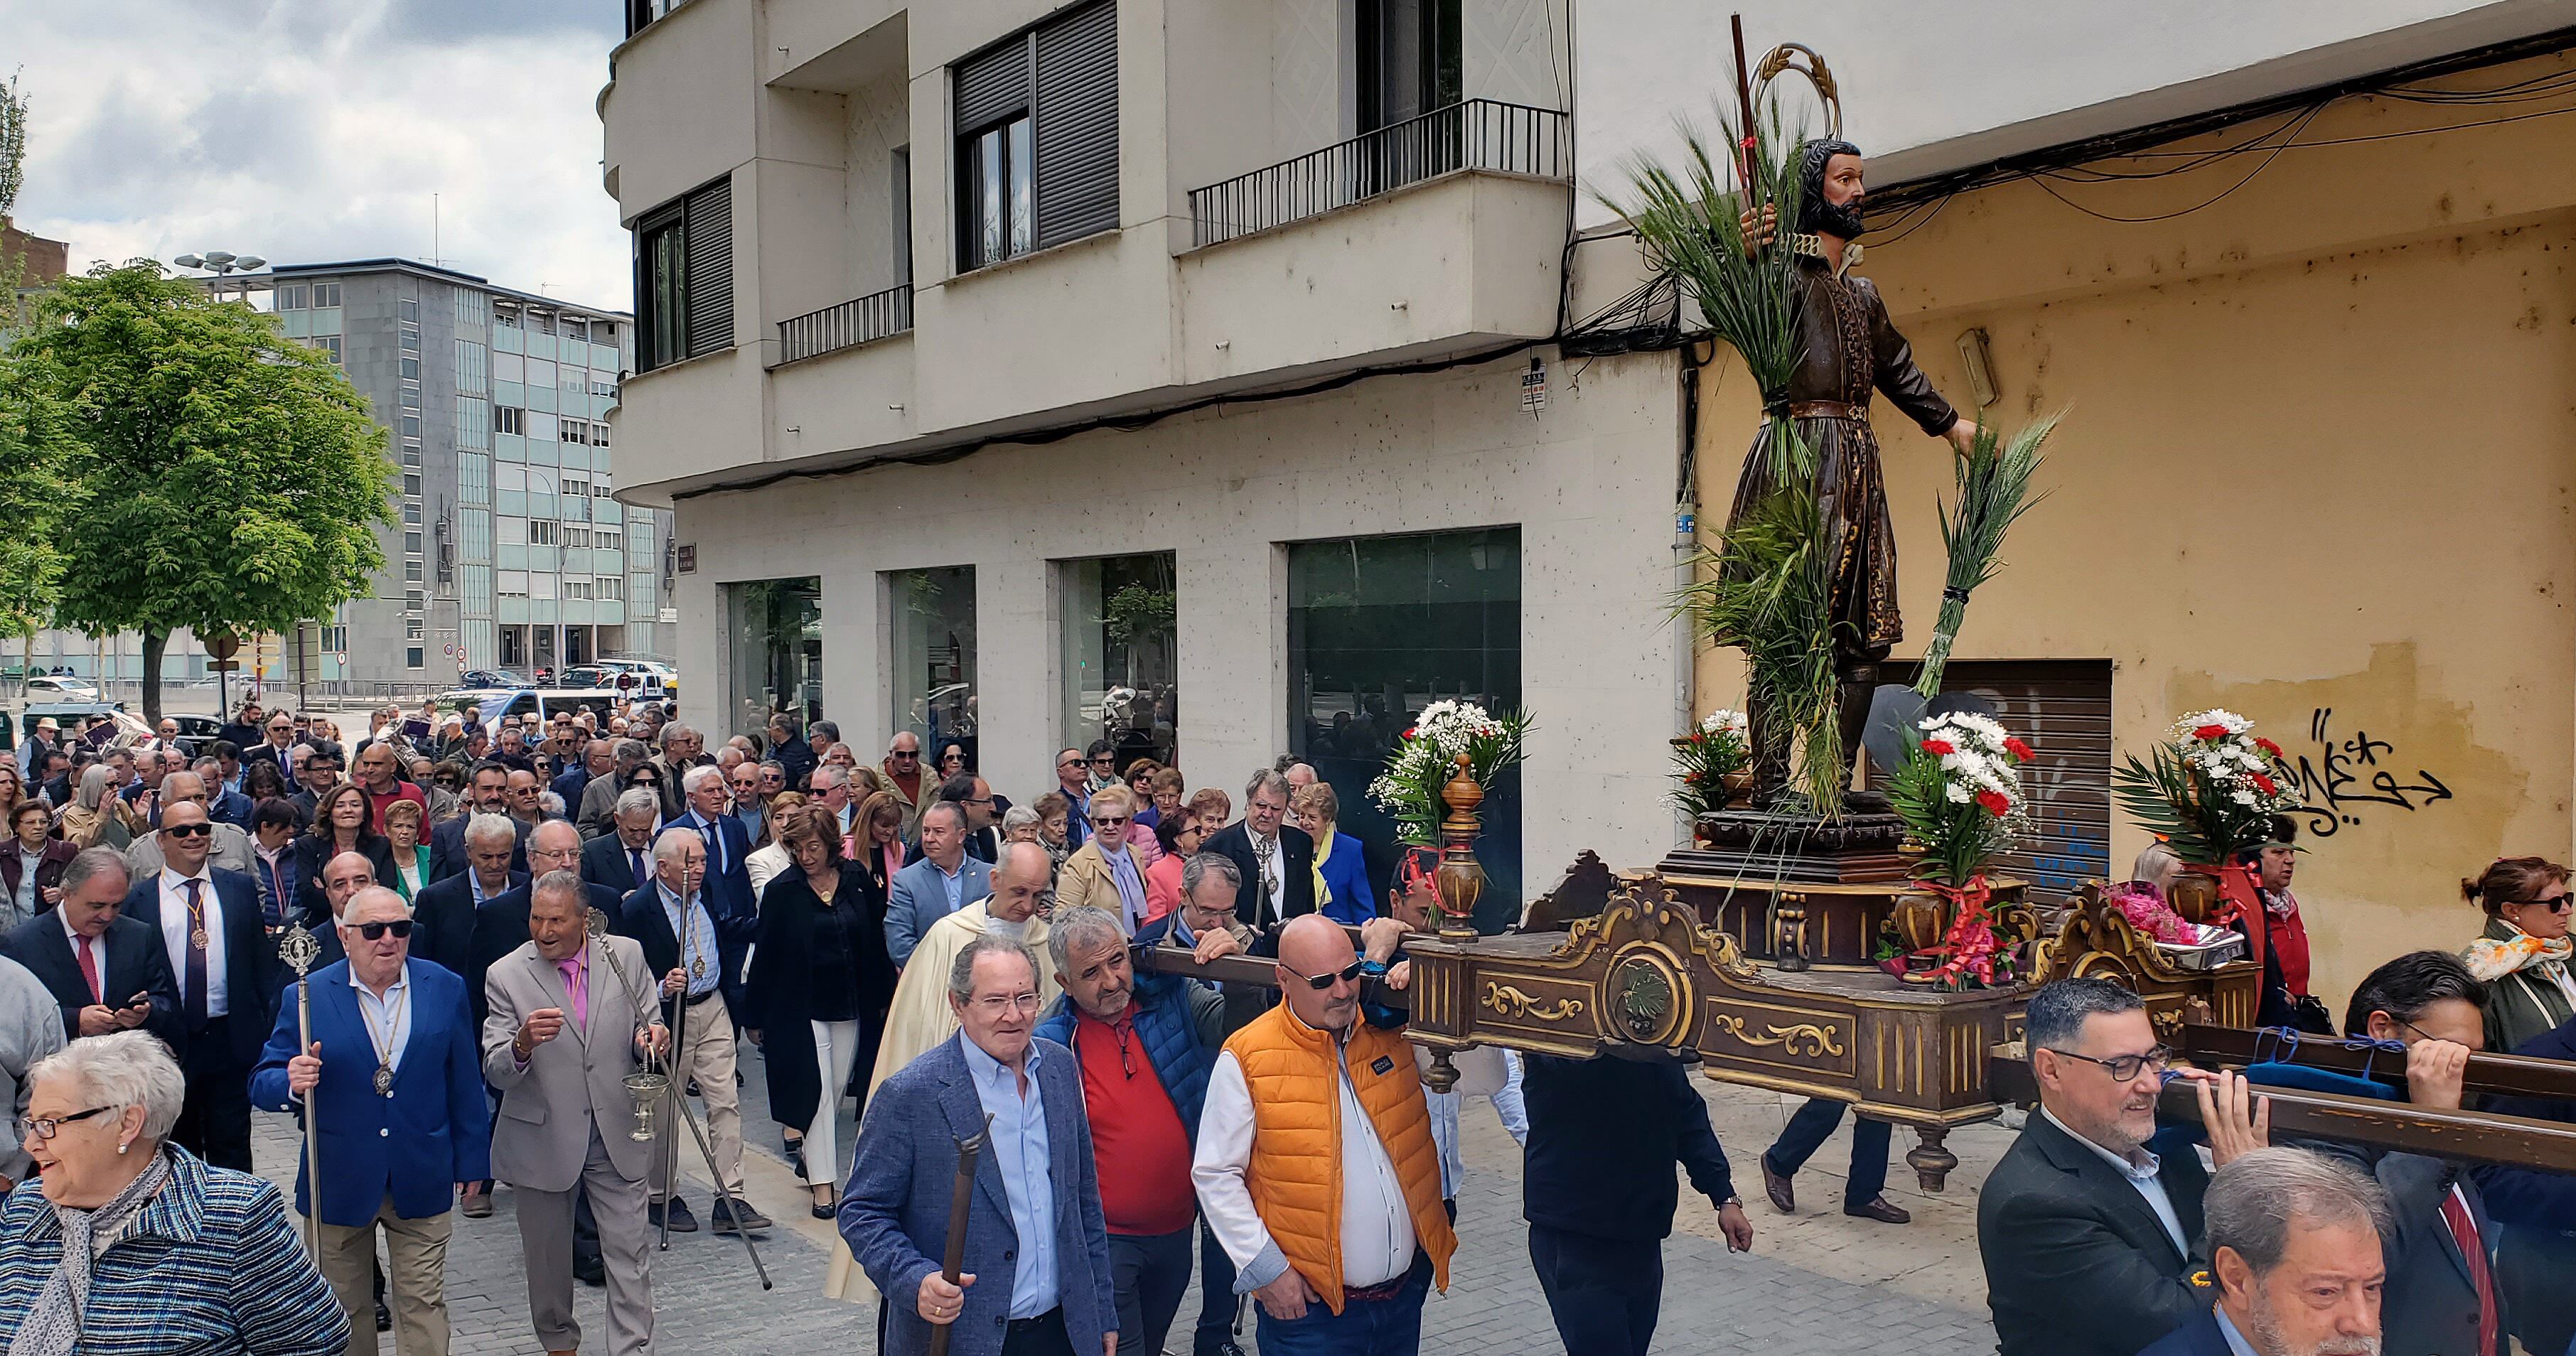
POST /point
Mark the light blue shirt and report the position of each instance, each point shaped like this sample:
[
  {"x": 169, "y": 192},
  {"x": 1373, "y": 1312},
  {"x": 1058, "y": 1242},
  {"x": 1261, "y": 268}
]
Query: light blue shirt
[
  {"x": 701, "y": 941},
  {"x": 387, "y": 1019},
  {"x": 2236, "y": 1342},
  {"x": 954, "y": 882},
  {"x": 2142, "y": 1176},
  {"x": 1020, "y": 1153},
  {"x": 1444, "y": 1123}
]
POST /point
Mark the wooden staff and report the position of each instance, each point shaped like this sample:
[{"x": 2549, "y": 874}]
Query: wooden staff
[
  {"x": 299, "y": 950},
  {"x": 960, "y": 1203},
  {"x": 1744, "y": 106}
]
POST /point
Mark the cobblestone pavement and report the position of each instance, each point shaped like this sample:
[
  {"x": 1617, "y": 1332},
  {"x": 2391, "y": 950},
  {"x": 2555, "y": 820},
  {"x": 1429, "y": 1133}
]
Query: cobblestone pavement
[{"x": 1816, "y": 1284}]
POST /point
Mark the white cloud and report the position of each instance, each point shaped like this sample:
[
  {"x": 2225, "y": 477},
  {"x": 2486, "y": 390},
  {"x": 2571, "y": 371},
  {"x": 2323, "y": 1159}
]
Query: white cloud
[{"x": 308, "y": 131}]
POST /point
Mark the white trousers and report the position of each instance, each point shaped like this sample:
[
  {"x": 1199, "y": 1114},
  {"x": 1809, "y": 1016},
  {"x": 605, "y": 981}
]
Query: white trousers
[{"x": 836, "y": 1045}]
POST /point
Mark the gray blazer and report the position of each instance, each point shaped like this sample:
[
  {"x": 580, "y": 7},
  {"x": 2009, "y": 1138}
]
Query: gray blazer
[
  {"x": 894, "y": 1213},
  {"x": 919, "y": 898},
  {"x": 542, "y": 1135}
]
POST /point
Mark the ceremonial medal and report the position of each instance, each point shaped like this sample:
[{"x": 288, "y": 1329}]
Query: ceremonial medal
[
  {"x": 698, "y": 968},
  {"x": 384, "y": 1080},
  {"x": 198, "y": 939}
]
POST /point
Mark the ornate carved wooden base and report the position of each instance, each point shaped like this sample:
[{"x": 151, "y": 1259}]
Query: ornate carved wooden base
[
  {"x": 1930, "y": 1161},
  {"x": 2096, "y": 939},
  {"x": 1856, "y": 847}
]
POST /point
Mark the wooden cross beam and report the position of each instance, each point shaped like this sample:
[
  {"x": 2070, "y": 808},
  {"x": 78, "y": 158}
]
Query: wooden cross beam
[{"x": 2494, "y": 1075}]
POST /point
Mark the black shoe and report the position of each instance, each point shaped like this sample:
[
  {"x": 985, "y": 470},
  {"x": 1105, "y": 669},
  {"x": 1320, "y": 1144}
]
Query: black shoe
[
  {"x": 590, "y": 1270},
  {"x": 384, "y": 1317},
  {"x": 1881, "y": 1209},
  {"x": 1783, "y": 1198},
  {"x": 731, "y": 1217},
  {"x": 1220, "y": 1349},
  {"x": 682, "y": 1222},
  {"x": 693, "y": 1087}
]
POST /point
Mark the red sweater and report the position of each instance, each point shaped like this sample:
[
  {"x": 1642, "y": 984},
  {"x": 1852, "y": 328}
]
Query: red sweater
[{"x": 1137, "y": 1141}]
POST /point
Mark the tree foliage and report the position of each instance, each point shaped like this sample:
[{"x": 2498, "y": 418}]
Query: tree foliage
[
  {"x": 234, "y": 479},
  {"x": 34, "y": 433}
]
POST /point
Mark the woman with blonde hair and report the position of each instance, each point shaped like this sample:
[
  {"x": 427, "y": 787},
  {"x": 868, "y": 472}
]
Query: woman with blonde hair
[
  {"x": 875, "y": 844},
  {"x": 95, "y": 818}
]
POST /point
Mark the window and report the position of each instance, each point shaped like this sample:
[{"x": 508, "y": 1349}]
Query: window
[
  {"x": 901, "y": 234},
  {"x": 606, "y": 539},
  {"x": 507, "y": 317},
  {"x": 1120, "y": 665},
  {"x": 412, "y": 572},
  {"x": 474, "y": 422},
  {"x": 335, "y": 638},
  {"x": 473, "y": 477},
  {"x": 411, "y": 486},
  {"x": 509, "y": 419},
  {"x": 409, "y": 367},
  {"x": 470, "y": 367},
  {"x": 411, "y": 423},
  {"x": 411, "y": 515},
  {"x": 414, "y": 600},
  {"x": 541, "y": 532},
  {"x": 330, "y": 346},
  {"x": 576, "y": 329},
  {"x": 684, "y": 277},
  {"x": 473, "y": 309},
  {"x": 407, "y": 311},
  {"x": 411, "y": 452},
  {"x": 1037, "y": 151},
  {"x": 599, "y": 435},
  {"x": 576, "y": 588},
  {"x": 411, "y": 543},
  {"x": 576, "y": 431},
  {"x": 776, "y": 637},
  {"x": 409, "y": 335},
  {"x": 412, "y": 629},
  {"x": 576, "y": 536},
  {"x": 610, "y": 587},
  {"x": 513, "y": 583},
  {"x": 412, "y": 656},
  {"x": 293, "y": 296},
  {"x": 326, "y": 295},
  {"x": 933, "y": 650}
]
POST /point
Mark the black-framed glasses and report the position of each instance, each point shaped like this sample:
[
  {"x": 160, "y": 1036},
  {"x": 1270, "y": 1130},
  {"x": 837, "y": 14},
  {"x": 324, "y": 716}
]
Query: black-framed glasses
[
  {"x": 188, "y": 830},
  {"x": 901, "y": 756},
  {"x": 1106, "y": 822},
  {"x": 1066, "y": 763},
  {"x": 1349, "y": 974},
  {"x": 45, "y": 1127},
  {"x": 2126, "y": 1068},
  {"x": 2561, "y": 904},
  {"x": 375, "y": 932},
  {"x": 1103, "y": 760}
]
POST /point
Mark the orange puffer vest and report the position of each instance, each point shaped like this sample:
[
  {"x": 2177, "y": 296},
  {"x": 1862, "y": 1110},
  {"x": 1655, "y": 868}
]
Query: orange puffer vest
[{"x": 1295, "y": 1175}]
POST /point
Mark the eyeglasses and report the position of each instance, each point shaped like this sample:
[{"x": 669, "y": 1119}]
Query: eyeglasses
[
  {"x": 1349, "y": 974},
  {"x": 1103, "y": 760},
  {"x": 44, "y": 1127},
  {"x": 2125, "y": 1068},
  {"x": 997, "y": 1005},
  {"x": 374, "y": 932},
  {"x": 1110, "y": 822},
  {"x": 2561, "y": 904},
  {"x": 902, "y": 757},
  {"x": 188, "y": 830},
  {"x": 1069, "y": 762}
]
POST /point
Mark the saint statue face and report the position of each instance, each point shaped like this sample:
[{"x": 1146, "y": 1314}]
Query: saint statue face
[{"x": 1830, "y": 190}]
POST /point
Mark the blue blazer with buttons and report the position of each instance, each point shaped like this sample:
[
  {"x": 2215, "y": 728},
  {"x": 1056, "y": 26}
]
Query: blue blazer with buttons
[{"x": 415, "y": 1146}]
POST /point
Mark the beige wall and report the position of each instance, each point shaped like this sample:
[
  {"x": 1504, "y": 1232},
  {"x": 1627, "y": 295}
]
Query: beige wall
[{"x": 2317, "y": 459}]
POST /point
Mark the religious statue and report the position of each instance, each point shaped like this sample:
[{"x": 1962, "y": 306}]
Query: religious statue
[{"x": 1848, "y": 348}]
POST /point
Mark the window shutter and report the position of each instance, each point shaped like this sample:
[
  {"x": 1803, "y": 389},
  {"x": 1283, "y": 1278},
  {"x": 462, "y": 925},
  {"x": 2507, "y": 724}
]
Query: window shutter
[
  {"x": 993, "y": 85},
  {"x": 710, "y": 269},
  {"x": 1077, "y": 124}
]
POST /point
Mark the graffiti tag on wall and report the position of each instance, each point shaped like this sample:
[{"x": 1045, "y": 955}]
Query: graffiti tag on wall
[{"x": 2346, "y": 778}]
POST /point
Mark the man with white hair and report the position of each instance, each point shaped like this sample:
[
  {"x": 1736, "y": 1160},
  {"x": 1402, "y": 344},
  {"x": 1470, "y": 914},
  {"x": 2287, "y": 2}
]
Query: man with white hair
[
  {"x": 394, "y": 1047},
  {"x": 446, "y": 908},
  {"x": 920, "y": 1017},
  {"x": 622, "y": 858},
  {"x": 2294, "y": 1248}
]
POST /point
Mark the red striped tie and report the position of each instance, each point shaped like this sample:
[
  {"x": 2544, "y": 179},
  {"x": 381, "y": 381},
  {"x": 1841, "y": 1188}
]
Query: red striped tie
[{"x": 2464, "y": 1231}]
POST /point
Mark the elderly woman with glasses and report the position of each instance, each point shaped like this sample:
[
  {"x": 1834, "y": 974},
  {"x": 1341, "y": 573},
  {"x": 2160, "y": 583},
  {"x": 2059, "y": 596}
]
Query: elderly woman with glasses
[
  {"x": 135, "y": 1246},
  {"x": 2524, "y": 955}
]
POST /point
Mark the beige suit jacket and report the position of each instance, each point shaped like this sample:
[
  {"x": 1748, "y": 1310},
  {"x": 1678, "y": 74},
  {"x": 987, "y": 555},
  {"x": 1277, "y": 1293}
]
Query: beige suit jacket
[{"x": 542, "y": 1135}]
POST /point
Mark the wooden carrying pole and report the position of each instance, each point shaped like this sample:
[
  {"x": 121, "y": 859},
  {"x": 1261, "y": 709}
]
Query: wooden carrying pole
[
  {"x": 961, "y": 1202},
  {"x": 2489, "y": 1075}
]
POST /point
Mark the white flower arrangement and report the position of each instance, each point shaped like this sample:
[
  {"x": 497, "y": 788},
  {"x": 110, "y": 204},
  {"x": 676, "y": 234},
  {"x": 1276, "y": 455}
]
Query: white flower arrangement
[{"x": 1425, "y": 758}]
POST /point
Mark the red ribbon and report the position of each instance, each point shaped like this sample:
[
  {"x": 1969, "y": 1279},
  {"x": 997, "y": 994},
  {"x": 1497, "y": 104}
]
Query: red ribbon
[{"x": 1970, "y": 944}]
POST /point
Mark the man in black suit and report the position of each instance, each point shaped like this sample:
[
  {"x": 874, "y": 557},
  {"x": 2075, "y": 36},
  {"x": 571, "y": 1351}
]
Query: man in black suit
[
  {"x": 217, "y": 948},
  {"x": 728, "y": 881},
  {"x": 342, "y": 878},
  {"x": 2294, "y": 1248},
  {"x": 1276, "y": 859},
  {"x": 447, "y": 909},
  {"x": 277, "y": 737},
  {"x": 2088, "y": 1238},
  {"x": 488, "y": 791},
  {"x": 130, "y": 985},
  {"x": 622, "y": 859}
]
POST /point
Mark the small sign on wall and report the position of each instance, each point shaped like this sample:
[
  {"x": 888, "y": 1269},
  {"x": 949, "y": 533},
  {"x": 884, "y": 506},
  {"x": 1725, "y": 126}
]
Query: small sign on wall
[{"x": 686, "y": 556}]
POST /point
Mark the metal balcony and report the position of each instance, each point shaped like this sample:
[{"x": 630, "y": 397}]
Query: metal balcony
[
  {"x": 863, "y": 320},
  {"x": 1478, "y": 134}
]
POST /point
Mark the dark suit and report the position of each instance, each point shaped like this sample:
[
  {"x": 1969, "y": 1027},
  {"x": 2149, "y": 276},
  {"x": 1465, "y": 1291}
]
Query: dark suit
[
  {"x": 1234, "y": 843},
  {"x": 606, "y": 860},
  {"x": 2199, "y": 1337},
  {"x": 214, "y": 1121},
  {"x": 447, "y": 847},
  {"x": 137, "y": 963},
  {"x": 640, "y": 916},
  {"x": 732, "y": 885},
  {"x": 2077, "y": 1264},
  {"x": 231, "y": 807},
  {"x": 446, "y": 914},
  {"x": 2538, "y": 1213},
  {"x": 311, "y": 855}
]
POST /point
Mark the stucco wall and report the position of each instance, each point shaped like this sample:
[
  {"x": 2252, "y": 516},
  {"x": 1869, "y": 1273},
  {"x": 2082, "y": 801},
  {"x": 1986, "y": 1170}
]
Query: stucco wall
[
  {"x": 2316, "y": 467},
  {"x": 1588, "y": 482}
]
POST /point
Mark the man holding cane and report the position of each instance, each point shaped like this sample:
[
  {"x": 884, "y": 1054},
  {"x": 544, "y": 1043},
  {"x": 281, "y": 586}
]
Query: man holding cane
[
  {"x": 1034, "y": 1277},
  {"x": 393, "y": 1050},
  {"x": 569, "y": 1015}
]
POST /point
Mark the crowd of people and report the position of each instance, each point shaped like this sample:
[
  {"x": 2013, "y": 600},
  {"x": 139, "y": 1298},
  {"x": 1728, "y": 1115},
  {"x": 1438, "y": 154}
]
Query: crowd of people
[{"x": 519, "y": 928}]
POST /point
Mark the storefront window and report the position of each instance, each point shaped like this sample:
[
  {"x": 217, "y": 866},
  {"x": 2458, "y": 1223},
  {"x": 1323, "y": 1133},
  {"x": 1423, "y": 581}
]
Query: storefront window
[
  {"x": 777, "y": 644},
  {"x": 1378, "y": 627},
  {"x": 1120, "y": 655},
  {"x": 931, "y": 620}
]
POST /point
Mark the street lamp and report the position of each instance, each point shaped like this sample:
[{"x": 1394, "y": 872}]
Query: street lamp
[{"x": 223, "y": 264}]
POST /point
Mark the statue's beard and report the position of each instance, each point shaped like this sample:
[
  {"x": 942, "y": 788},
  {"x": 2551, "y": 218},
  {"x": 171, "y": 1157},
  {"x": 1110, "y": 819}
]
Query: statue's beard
[{"x": 1835, "y": 219}]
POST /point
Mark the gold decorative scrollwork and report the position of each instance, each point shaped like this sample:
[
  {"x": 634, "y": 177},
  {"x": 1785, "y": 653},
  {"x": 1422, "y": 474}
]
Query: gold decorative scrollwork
[
  {"x": 1800, "y": 1038},
  {"x": 1512, "y": 1002}
]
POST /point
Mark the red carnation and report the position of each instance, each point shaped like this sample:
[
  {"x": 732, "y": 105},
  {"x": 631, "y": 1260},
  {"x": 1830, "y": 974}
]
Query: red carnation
[
  {"x": 2266, "y": 785},
  {"x": 1409, "y": 729},
  {"x": 2210, "y": 732},
  {"x": 2267, "y": 746},
  {"x": 2019, "y": 750},
  {"x": 1994, "y": 802},
  {"x": 1939, "y": 747}
]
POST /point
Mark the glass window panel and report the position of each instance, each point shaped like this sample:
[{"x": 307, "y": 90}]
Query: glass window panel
[
  {"x": 988, "y": 170},
  {"x": 777, "y": 644},
  {"x": 1378, "y": 627},
  {"x": 1023, "y": 176},
  {"x": 1118, "y": 626},
  {"x": 933, "y": 651}
]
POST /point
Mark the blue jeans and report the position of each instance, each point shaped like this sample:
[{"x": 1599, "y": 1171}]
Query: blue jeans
[
  {"x": 1811, "y": 1125},
  {"x": 1387, "y": 1327}
]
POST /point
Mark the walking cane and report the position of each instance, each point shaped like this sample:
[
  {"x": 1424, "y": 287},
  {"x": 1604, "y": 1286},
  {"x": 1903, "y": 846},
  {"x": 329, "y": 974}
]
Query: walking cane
[
  {"x": 959, "y": 1204},
  {"x": 299, "y": 950},
  {"x": 679, "y": 1085}
]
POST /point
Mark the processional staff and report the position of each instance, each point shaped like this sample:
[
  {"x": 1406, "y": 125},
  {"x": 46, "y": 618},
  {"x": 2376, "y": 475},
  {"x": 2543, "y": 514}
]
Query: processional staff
[{"x": 299, "y": 950}]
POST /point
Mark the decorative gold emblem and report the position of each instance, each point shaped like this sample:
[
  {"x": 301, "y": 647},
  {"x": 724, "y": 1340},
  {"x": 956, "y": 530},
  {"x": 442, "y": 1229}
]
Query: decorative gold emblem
[
  {"x": 1645, "y": 998},
  {"x": 1801, "y": 1038},
  {"x": 1512, "y": 1002}
]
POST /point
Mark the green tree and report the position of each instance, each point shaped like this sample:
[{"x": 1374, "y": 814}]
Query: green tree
[
  {"x": 234, "y": 480},
  {"x": 34, "y": 441}
]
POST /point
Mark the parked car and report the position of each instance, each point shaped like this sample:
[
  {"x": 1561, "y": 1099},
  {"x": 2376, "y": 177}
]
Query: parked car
[
  {"x": 51, "y": 687},
  {"x": 490, "y": 680}
]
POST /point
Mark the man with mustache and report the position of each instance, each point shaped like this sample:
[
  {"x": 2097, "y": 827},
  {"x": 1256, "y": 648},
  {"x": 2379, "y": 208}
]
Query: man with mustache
[{"x": 2294, "y": 1245}]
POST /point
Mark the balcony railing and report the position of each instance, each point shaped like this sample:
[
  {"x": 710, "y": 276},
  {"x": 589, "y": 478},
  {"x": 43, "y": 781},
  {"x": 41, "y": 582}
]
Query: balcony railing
[
  {"x": 848, "y": 325},
  {"x": 1478, "y": 134}
]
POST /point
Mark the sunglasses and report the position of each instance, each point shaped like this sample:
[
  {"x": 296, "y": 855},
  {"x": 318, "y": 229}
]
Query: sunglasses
[
  {"x": 1349, "y": 974},
  {"x": 374, "y": 932},
  {"x": 1110, "y": 822},
  {"x": 1102, "y": 761},
  {"x": 906, "y": 757},
  {"x": 189, "y": 830},
  {"x": 2559, "y": 905}
]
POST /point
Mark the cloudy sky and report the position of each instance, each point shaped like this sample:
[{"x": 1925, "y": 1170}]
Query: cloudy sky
[{"x": 312, "y": 130}]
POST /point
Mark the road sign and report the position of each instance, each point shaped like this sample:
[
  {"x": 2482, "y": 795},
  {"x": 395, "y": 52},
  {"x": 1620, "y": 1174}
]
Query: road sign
[
  {"x": 222, "y": 645},
  {"x": 225, "y": 665}
]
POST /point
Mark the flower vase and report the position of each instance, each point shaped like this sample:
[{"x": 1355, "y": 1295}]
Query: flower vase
[
  {"x": 1739, "y": 788},
  {"x": 2194, "y": 894},
  {"x": 1460, "y": 880}
]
